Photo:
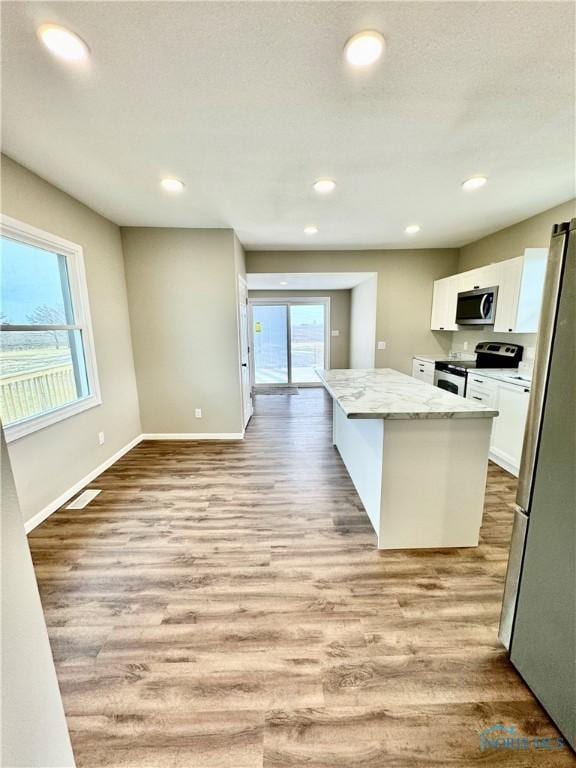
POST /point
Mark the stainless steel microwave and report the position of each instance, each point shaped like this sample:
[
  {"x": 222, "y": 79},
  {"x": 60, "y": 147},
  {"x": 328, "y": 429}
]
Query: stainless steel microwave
[{"x": 477, "y": 307}]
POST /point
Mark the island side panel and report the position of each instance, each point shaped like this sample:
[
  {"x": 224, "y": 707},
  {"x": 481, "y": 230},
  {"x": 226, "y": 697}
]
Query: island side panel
[
  {"x": 359, "y": 442},
  {"x": 433, "y": 482}
]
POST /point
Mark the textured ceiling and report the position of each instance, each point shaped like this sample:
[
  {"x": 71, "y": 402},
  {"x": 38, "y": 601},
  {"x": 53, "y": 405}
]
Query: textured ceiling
[{"x": 248, "y": 103}]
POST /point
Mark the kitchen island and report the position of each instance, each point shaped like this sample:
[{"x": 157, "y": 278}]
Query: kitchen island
[{"x": 416, "y": 454}]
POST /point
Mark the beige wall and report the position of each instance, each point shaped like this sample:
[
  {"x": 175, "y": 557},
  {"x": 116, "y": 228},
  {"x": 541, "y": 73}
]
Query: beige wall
[
  {"x": 510, "y": 242},
  {"x": 506, "y": 244},
  {"x": 404, "y": 292},
  {"x": 48, "y": 462},
  {"x": 363, "y": 312},
  {"x": 182, "y": 293},
  {"x": 339, "y": 318}
]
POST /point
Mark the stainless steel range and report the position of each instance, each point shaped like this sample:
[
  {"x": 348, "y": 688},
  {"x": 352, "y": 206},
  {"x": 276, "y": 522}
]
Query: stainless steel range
[{"x": 452, "y": 375}]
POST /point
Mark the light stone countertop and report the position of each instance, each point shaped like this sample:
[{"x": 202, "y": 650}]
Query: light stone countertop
[
  {"x": 430, "y": 358},
  {"x": 447, "y": 357},
  {"x": 510, "y": 375},
  {"x": 383, "y": 393}
]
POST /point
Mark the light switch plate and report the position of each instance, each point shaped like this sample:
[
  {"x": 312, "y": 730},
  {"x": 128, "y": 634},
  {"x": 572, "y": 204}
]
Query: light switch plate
[
  {"x": 381, "y": 345},
  {"x": 335, "y": 333}
]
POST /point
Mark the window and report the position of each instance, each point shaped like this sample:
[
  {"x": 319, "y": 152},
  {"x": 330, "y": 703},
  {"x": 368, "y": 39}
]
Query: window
[{"x": 47, "y": 361}]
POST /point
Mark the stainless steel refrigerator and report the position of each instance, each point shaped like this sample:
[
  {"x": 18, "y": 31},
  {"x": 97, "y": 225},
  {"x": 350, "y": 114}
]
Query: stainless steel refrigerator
[{"x": 538, "y": 623}]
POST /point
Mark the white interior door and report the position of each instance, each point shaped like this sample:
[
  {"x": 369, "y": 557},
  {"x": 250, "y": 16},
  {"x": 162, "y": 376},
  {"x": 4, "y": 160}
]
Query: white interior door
[{"x": 244, "y": 351}]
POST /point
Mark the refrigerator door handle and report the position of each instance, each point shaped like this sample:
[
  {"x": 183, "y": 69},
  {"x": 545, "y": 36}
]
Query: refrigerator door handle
[
  {"x": 550, "y": 298},
  {"x": 513, "y": 577}
]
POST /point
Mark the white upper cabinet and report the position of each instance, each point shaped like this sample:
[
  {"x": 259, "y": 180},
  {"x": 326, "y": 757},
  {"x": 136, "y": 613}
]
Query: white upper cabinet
[
  {"x": 508, "y": 291},
  {"x": 444, "y": 304},
  {"x": 520, "y": 292},
  {"x": 483, "y": 277},
  {"x": 520, "y": 283}
]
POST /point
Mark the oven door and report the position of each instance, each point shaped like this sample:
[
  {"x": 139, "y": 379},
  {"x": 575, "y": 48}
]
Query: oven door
[
  {"x": 450, "y": 382},
  {"x": 477, "y": 307}
]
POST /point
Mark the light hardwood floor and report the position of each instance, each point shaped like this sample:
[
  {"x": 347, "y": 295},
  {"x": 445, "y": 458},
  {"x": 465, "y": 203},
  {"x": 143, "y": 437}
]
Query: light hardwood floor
[{"x": 224, "y": 604}]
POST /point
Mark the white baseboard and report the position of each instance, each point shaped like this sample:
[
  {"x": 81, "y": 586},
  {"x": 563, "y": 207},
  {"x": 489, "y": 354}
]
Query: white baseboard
[
  {"x": 39, "y": 517},
  {"x": 503, "y": 462},
  {"x": 192, "y": 436}
]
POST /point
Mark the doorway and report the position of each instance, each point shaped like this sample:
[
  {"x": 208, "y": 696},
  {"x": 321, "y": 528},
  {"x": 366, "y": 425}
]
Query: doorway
[
  {"x": 290, "y": 339},
  {"x": 247, "y": 408}
]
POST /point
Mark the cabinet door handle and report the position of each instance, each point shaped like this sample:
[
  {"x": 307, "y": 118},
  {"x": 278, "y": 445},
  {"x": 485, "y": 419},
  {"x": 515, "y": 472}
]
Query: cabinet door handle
[
  {"x": 476, "y": 286},
  {"x": 476, "y": 398},
  {"x": 478, "y": 381},
  {"x": 526, "y": 390},
  {"x": 510, "y": 330}
]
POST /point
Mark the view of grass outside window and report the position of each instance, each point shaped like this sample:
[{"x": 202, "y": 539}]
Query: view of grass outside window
[
  {"x": 307, "y": 342},
  {"x": 42, "y": 363}
]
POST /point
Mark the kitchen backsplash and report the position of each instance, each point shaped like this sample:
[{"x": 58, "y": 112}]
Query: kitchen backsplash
[{"x": 472, "y": 337}]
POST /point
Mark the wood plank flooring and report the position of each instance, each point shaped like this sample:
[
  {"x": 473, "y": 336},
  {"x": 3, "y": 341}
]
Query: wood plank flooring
[{"x": 224, "y": 604}]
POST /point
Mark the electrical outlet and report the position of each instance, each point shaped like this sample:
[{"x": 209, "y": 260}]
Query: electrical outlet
[
  {"x": 465, "y": 346},
  {"x": 101, "y": 438},
  {"x": 381, "y": 345},
  {"x": 198, "y": 413}
]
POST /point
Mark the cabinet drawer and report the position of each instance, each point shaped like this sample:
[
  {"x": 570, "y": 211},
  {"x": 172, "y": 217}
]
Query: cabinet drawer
[
  {"x": 475, "y": 381},
  {"x": 479, "y": 396},
  {"x": 423, "y": 369}
]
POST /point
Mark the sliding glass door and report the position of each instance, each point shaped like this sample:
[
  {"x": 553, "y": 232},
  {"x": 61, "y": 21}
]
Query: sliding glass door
[
  {"x": 307, "y": 341},
  {"x": 270, "y": 343},
  {"x": 289, "y": 341}
]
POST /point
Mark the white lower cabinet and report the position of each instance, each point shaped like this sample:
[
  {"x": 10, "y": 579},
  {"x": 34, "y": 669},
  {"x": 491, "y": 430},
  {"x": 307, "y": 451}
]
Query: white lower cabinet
[
  {"x": 423, "y": 370},
  {"x": 511, "y": 400},
  {"x": 508, "y": 428},
  {"x": 481, "y": 389}
]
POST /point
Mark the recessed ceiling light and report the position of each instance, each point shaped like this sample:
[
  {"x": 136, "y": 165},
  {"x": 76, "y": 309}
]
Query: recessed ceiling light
[
  {"x": 172, "y": 185},
  {"x": 364, "y": 48},
  {"x": 311, "y": 230},
  {"x": 283, "y": 282},
  {"x": 412, "y": 229},
  {"x": 324, "y": 186},
  {"x": 474, "y": 183},
  {"x": 62, "y": 42}
]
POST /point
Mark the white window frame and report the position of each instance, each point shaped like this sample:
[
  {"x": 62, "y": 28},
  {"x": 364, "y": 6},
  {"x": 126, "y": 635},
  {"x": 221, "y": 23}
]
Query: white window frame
[{"x": 25, "y": 233}]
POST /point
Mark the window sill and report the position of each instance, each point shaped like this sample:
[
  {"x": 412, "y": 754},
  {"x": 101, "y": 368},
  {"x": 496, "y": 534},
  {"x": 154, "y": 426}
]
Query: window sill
[{"x": 25, "y": 427}]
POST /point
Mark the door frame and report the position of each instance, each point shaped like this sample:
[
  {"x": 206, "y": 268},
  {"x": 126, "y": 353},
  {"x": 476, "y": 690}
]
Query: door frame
[
  {"x": 243, "y": 291},
  {"x": 288, "y": 302}
]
